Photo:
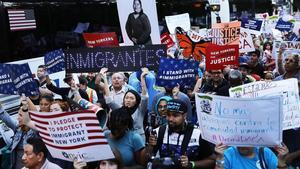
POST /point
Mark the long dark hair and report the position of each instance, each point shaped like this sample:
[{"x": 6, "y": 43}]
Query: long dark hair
[
  {"x": 131, "y": 110},
  {"x": 120, "y": 118},
  {"x": 140, "y": 5}
]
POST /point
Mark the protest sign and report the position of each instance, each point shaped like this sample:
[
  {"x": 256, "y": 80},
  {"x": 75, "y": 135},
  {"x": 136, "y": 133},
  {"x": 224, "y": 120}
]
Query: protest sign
[
  {"x": 246, "y": 42},
  {"x": 287, "y": 88},
  {"x": 125, "y": 58},
  {"x": 70, "y": 135},
  {"x": 146, "y": 30},
  {"x": 55, "y": 61},
  {"x": 217, "y": 57},
  {"x": 262, "y": 16},
  {"x": 6, "y": 83},
  {"x": 237, "y": 122},
  {"x": 17, "y": 79},
  {"x": 225, "y": 33},
  {"x": 193, "y": 44},
  {"x": 172, "y": 72},
  {"x": 167, "y": 40},
  {"x": 285, "y": 45},
  {"x": 284, "y": 26},
  {"x": 181, "y": 20},
  {"x": 253, "y": 26},
  {"x": 101, "y": 39}
]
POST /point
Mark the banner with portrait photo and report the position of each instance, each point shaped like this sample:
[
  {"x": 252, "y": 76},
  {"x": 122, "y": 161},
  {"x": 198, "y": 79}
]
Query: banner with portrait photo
[
  {"x": 125, "y": 58},
  {"x": 287, "y": 88},
  {"x": 236, "y": 121},
  {"x": 225, "y": 33},
  {"x": 70, "y": 135},
  {"x": 217, "y": 56},
  {"x": 173, "y": 72},
  {"x": 108, "y": 39},
  {"x": 139, "y": 22}
]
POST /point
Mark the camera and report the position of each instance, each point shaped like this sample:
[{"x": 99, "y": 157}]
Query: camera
[{"x": 163, "y": 163}]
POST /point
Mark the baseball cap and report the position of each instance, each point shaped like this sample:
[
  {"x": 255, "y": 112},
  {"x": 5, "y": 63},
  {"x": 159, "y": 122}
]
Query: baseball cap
[{"x": 176, "y": 105}]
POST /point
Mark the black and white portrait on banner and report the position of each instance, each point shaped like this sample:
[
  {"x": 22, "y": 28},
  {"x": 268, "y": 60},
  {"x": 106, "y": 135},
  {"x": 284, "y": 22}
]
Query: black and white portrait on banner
[{"x": 138, "y": 21}]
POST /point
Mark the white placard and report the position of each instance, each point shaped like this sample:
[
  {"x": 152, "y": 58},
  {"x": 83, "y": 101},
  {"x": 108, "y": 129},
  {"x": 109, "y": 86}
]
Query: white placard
[
  {"x": 240, "y": 122},
  {"x": 246, "y": 42},
  {"x": 287, "y": 88},
  {"x": 181, "y": 20}
]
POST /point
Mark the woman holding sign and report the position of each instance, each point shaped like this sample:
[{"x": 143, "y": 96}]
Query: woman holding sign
[{"x": 138, "y": 26}]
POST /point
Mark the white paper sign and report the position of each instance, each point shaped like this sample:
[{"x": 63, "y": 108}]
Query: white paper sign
[
  {"x": 181, "y": 20},
  {"x": 287, "y": 88},
  {"x": 72, "y": 134},
  {"x": 246, "y": 42},
  {"x": 237, "y": 122}
]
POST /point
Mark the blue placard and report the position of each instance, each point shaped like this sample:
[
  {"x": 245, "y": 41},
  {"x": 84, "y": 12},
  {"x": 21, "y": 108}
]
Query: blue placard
[
  {"x": 176, "y": 71},
  {"x": 284, "y": 26},
  {"x": 252, "y": 24},
  {"x": 6, "y": 83},
  {"x": 22, "y": 78},
  {"x": 55, "y": 61}
]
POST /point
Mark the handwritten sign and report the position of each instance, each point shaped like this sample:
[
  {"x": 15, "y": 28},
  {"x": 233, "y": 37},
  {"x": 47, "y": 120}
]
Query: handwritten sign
[
  {"x": 181, "y": 20},
  {"x": 287, "y": 88},
  {"x": 176, "y": 71},
  {"x": 72, "y": 134},
  {"x": 225, "y": 33},
  {"x": 126, "y": 58},
  {"x": 284, "y": 45},
  {"x": 101, "y": 39},
  {"x": 246, "y": 41},
  {"x": 217, "y": 57},
  {"x": 237, "y": 122}
]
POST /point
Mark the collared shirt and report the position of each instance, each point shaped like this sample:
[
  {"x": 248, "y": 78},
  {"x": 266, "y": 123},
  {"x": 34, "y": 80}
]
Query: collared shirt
[
  {"x": 48, "y": 165},
  {"x": 118, "y": 95}
]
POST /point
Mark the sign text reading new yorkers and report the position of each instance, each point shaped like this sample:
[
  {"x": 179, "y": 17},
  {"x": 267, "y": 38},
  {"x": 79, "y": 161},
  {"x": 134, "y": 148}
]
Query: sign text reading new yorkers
[{"x": 126, "y": 58}]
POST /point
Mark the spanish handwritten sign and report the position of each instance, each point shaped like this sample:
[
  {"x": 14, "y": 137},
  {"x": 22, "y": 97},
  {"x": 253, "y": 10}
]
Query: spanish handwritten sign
[
  {"x": 217, "y": 57},
  {"x": 225, "y": 33},
  {"x": 181, "y": 20},
  {"x": 172, "y": 72},
  {"x": 126, "y": 58},
  {"x": 287, "y": 88},
  {"x": 237, "y": 122},
  {"x": 70, "y": 135}
]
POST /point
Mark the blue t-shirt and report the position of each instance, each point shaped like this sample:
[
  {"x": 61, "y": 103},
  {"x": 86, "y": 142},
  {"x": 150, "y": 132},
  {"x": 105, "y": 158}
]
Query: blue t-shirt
[
  {"x": 234, "y": 160},
  {"x": 130, "y": 143}
]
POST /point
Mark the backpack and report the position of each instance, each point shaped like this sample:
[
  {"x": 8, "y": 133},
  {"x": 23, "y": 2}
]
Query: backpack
[{"x": 262, "y": 160}]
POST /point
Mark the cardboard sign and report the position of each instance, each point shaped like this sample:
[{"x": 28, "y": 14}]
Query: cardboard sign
[
  {"x": 17, "y": 79},
  {"x": 246, "y": 41},
  {"x": 225, "y": 33},
  {"x": 254, "y": 26},
  {"x": 217, "y": 57},
  {"x": 167, "y": 40},
  {"x": 101, "y": 39},
  {"x": 285, "y": 45},
  {"x": 237, "y": 122},
  {"x": 55, "y": 61},
  {"x": 126, "y": 58},
  {"x": 287, "y": 88},
  {"x": 176, "y": 71},
  {"x": 70, "y": 135},
  {"x": 181, "y": 20}
]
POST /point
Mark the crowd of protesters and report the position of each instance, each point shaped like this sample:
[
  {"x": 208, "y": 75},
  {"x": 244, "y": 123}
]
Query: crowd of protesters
[{"x": 163, "y": 135}]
